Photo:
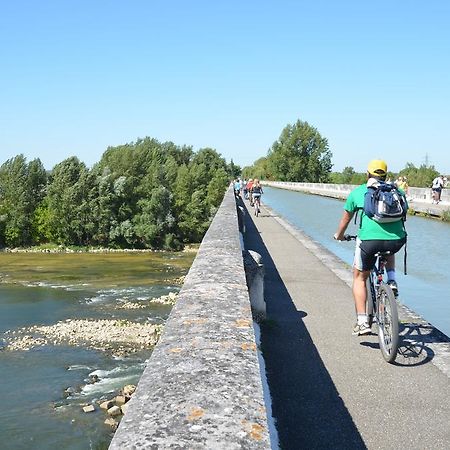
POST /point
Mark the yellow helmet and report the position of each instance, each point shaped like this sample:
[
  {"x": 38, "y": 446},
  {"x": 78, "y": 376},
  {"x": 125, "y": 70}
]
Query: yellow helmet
[{"x": 377, "y": 167}]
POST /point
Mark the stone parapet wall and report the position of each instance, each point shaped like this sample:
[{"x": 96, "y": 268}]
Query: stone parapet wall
[
  {"x": 419, "y": 198},
  {"x": 202, "y": 386},
  {"x": 342, "y": 190},
  {"x": 330, "y": 190}
]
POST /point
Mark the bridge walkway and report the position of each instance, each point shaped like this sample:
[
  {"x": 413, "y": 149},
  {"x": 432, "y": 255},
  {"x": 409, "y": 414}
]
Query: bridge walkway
[{"x": 330, "y": 389}]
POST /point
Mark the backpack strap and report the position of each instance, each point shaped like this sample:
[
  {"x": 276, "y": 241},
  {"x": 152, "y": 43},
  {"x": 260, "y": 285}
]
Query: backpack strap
[
  {"x": 405, "y": 252},
  {"x": 358, "y": 211}
]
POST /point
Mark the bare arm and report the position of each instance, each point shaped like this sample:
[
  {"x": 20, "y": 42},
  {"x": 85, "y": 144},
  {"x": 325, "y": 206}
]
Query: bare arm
[{"x": 343, "y": 224}]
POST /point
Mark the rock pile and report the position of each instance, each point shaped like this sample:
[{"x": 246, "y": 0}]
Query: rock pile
[
  {"x": 131, "y": 305},
  {"x": 63, "y": 249},
  {"x": 175, "y": 281},
  {"x": 169, "y": 299},
  {"x": 120, "y": 337},
  {"x": 114, "y": 407}
]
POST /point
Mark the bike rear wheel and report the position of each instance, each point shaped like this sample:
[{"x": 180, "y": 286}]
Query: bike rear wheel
[
  {"x": 388, "y": 327},
  {"x": 256, "y": 208}
]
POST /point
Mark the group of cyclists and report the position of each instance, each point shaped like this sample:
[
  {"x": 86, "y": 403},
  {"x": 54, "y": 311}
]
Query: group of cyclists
[{"x": 251, "y": 189}]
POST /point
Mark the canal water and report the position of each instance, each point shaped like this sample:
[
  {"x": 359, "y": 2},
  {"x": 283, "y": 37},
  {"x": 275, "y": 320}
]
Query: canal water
[
  {"x": 43, "y": 390},
  {"x": 426, "y": 287}
]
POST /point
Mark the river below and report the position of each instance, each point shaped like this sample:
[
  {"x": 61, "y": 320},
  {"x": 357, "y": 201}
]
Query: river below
[
  {"x": 44, "y": 389},
  {"x": 425, "y": 289}
]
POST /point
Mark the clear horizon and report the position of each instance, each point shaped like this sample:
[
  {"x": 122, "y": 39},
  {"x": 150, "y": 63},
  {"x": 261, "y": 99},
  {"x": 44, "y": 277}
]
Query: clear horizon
[{"x": 372, "y": 78}]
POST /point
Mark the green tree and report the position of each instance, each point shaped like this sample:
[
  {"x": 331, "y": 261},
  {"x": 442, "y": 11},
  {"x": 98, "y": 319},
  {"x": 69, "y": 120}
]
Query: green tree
[
  {"x": 182, "y": 190},
  {"x": 259, "y": 170},
  {"x": 22, "y": 188},
  {"x": 204, "y": 164},
  {"x": 300, "y": 154},
  {"x": 66, "y": 198},
  {"x": 233, "y": 170},
  {"x": 102, "y": 201},
  {"x": 143, "y": 194},
  {"x": 216, "y": 190},
  {"x": 125, "y": 207},
  {"x": 421, "y": 176},
  {"x": 42, "y": 231},
  {"x": 154, "y": 220},
  {"x": 194, "y": 219},
  {"x": 347, "y": 175}
]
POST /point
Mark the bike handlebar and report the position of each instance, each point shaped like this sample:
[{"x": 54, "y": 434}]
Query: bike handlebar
[{"x": 347, "y": 237}]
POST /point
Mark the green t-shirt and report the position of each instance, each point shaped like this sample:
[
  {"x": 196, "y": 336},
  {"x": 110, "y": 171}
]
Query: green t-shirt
[{"x": 371, "y": 230}]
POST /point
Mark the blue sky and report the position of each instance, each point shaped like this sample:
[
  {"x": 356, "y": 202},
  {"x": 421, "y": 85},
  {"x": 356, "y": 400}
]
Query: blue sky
[{"x": 373, "y": 77}]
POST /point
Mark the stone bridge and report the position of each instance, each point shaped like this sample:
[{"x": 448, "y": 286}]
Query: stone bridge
[
  {"x": 206, "y": 385},
  {"x": 202, "y": 387}
]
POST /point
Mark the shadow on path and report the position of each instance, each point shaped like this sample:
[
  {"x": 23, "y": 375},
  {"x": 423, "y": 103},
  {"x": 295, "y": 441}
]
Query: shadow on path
[{"x": 308, "y": 410}]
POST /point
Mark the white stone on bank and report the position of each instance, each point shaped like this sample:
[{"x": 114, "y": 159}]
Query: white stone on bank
[{"x": 117, "y": 336}]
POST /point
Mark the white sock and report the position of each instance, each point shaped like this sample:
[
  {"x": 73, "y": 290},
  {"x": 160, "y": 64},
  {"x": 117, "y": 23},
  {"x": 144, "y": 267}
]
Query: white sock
[
  {"x": 362, "y": 318},
  {"x": 391, "y": 274}
]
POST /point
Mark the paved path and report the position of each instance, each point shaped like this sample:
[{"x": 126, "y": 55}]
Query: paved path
[{"x": 331, "y": 390}]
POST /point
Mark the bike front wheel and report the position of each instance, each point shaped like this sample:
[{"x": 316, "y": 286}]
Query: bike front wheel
[{"x": 388, "y": 327}]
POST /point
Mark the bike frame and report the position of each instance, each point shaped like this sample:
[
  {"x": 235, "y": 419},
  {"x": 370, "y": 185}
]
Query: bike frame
[{"x": 375, "y": 280}]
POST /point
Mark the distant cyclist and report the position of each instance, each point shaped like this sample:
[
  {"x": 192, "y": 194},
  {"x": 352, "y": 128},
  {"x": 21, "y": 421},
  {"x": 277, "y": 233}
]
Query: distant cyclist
[
  {"x": 373, "y": 237},
  {"x": 237, "y": 187},
  {"x": 249, "y": 190},
  {"x": 256, "y": 191}
]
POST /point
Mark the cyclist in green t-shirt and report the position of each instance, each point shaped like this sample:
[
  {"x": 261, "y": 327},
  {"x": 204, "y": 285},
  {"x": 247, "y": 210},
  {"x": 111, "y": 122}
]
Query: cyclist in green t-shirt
[{"x": 372, "y": 237}]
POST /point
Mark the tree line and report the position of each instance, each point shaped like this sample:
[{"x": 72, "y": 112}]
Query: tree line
[
  {"x": 302, "y": 154},
  {"x": 421, "y": 176},
  {"x": 153, "y": 195},
  {"x": 145, "y": 194}
]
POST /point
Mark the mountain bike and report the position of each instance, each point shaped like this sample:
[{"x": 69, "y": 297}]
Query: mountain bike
[
  {"x": 381, "y": 307},
  {"x": 257, "y": 204}
]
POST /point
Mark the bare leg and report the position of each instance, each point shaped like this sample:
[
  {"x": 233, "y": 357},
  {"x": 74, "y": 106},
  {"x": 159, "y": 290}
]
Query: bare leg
[{"x": 359, "y": 290}]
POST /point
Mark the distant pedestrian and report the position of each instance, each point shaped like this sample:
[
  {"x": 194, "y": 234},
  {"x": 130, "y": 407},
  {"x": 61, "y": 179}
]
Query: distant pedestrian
[
  {"x": 402, "y": 183},
  {"x": 237, "y": 187},
  {"x": 436, "y": 189}
]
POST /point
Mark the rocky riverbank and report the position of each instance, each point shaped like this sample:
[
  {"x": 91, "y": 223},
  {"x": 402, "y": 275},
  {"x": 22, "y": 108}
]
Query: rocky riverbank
[
  {"x": 118, "y": 337},
  {"x": 115, "y": 407},
  {"x": 193, "y": 248},
  {"x": 169, "y": 299}
]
